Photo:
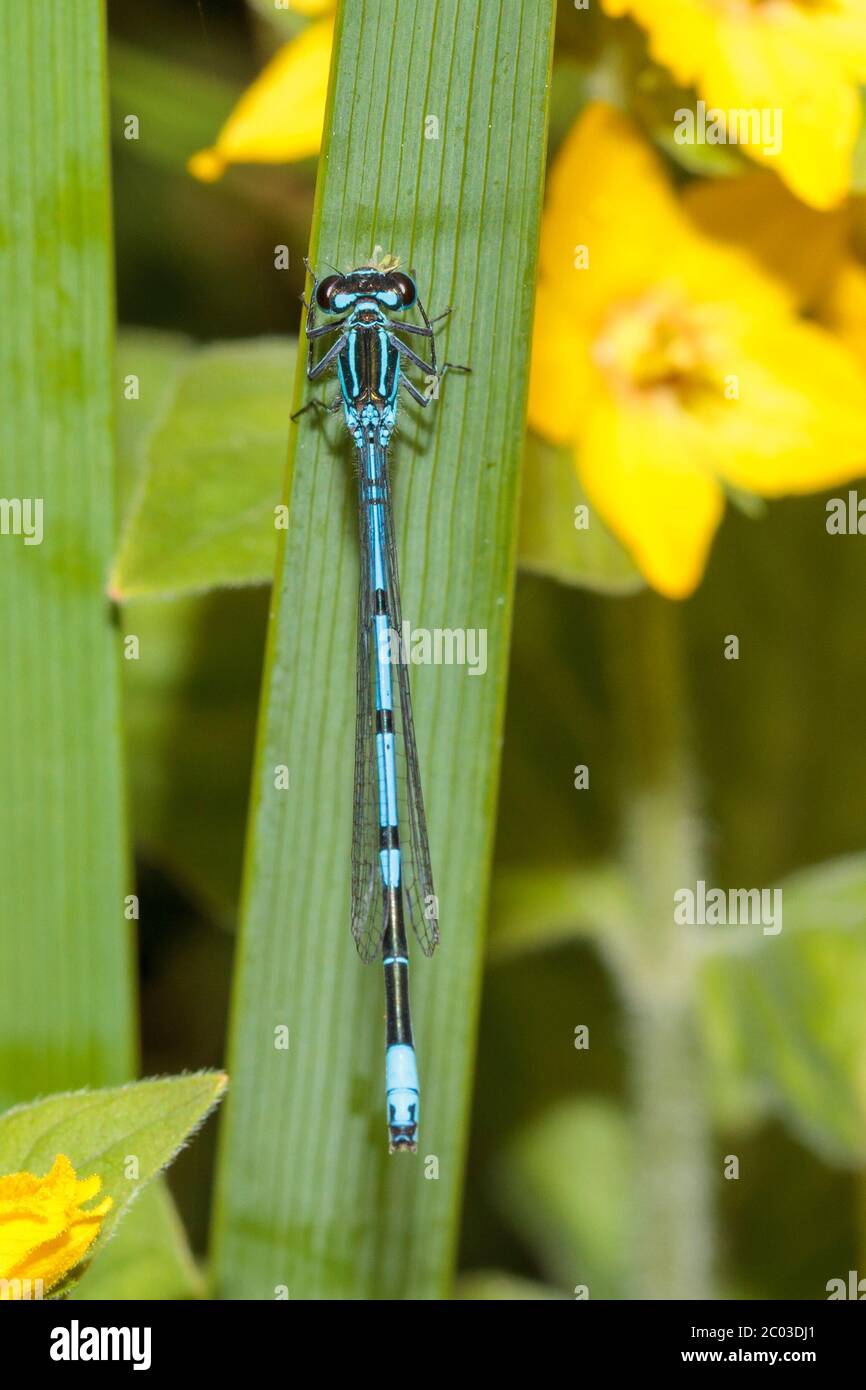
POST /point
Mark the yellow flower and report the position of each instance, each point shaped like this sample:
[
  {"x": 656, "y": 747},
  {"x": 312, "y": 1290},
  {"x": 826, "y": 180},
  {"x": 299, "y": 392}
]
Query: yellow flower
[
  {"x": 793, "y": 242},
  {"x": 844, "y": 309},
  {"x": 672, "y": 364},
  {"x": 803, "y": 58},
  {"x": 279, "y": 118},
  {"x": 44, "y": 1229},
  {"x": 815, "y": 253}
]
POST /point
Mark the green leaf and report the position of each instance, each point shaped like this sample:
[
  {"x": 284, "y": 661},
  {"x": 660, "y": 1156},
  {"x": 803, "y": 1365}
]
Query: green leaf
[
  {"x": 827, "y": 897},
  {"x": 570, "y": 90},
  {"x": 656, "y": 100},
  {"x": 125, "y": 1134},
  {"x": 550, "y": 542},
  {"x": 495, "y": 1286},
  {"x": 146, "y": 366},
  {"x": 66, "y": 961},
  {"x": 784, "y": 1016},
  {"x": 307, "y": 1195},
  {"x": 699, "y": 159},
  {"x": 190, "y": 702},
  {"x": 537, "y": 908},
  {"x": 148, "y": 1258},
  {"x": 178, "y": 107},
  {"x": 204, "y": 513},
  {"x": 566, "y": 1184}
]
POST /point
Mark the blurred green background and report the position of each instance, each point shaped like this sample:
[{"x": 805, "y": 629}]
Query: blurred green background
[{"x": 758, "y": 767}]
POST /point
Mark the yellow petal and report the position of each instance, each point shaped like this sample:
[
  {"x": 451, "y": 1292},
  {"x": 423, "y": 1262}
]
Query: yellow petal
[
  {"x": 679, "y": 31},
  {"x": 53, "y": 1259},
  {"x": 838, "y": 29},
  {"x": 312, "y": 8},
  {"x": 757, "y": 213},
  {"x": 603, "y": 172},
  {"x": 279, "y": 118},
  {"x": 820, "y": 107},
  {"x": 800, "y": 422},
  {"x": 648, "y": 469},
  {"x": 802, "y": 60},
  {"x": 558, "y": 370},
  {"x": 44, "y": 1230},
  {"x": 206, "y": 165},
  {"x": 844, "y": 309}
]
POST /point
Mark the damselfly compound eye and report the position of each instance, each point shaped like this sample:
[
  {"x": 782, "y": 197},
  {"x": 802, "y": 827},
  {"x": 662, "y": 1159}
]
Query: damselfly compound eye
[
  {"x": 326, "y": 291},
  {"x": 405, "y": 287}
]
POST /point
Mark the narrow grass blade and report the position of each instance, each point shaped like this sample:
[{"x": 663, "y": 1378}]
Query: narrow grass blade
[
  {"x": 434, "y": 150},
  {"x": 65, "y": 948}
]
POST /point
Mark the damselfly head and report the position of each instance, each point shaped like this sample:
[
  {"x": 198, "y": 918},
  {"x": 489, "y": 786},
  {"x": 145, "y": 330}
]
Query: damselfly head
[{"x": 394, "y": 290}]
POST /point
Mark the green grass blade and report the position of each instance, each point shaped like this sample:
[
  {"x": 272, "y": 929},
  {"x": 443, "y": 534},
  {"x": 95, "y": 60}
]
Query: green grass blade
[
  {"x": 308, "y": 1198},
  {"x": 65, "y": 958}
]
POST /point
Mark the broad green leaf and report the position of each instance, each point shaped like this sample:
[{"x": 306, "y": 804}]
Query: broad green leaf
[
  {"x": 147, "y": 363},
  {"x": 552, "y": 501},
  {"x": 784, "y": 1014},
  {"x": 190, "y": 700},
  {"x": 535, "y": 908},
  {"x": 696, "y": 156},
  {"x": 569, "y": 92},
  {"x": 495, "y": 1286},
  {"x": 827, "y": 897},
  {"x": 204, "y": 512},
  {"x": 660, "y": 104},
  {"x": 148, "y": 1257},
  {"x": 126, "y": 1134},
  {"x": 66, "y": 961},
  {"x": 566, "y": 1183},
  {"x": 193, "y": 688},
  {"x": 307, "y": 1197}
]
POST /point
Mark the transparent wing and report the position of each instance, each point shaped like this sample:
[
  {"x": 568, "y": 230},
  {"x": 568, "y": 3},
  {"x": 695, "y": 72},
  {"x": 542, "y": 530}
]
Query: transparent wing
[
  {"x": 367, "y": 917},
  {"x": 422, "y": 907}
]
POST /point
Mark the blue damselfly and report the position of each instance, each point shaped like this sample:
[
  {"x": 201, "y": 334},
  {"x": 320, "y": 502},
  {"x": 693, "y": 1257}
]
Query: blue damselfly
[{"x": 390, "y": 854}]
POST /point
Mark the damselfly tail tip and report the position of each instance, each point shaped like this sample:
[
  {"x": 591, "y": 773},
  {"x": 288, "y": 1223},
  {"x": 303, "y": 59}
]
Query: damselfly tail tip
[
  {"x": 402, "y": 1139},
  {"x": 402, "y": 1098}
]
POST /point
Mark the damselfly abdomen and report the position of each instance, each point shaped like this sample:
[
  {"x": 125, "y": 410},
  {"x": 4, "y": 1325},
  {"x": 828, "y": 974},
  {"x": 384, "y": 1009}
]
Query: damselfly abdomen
[{"x": 391, "y": 876}]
